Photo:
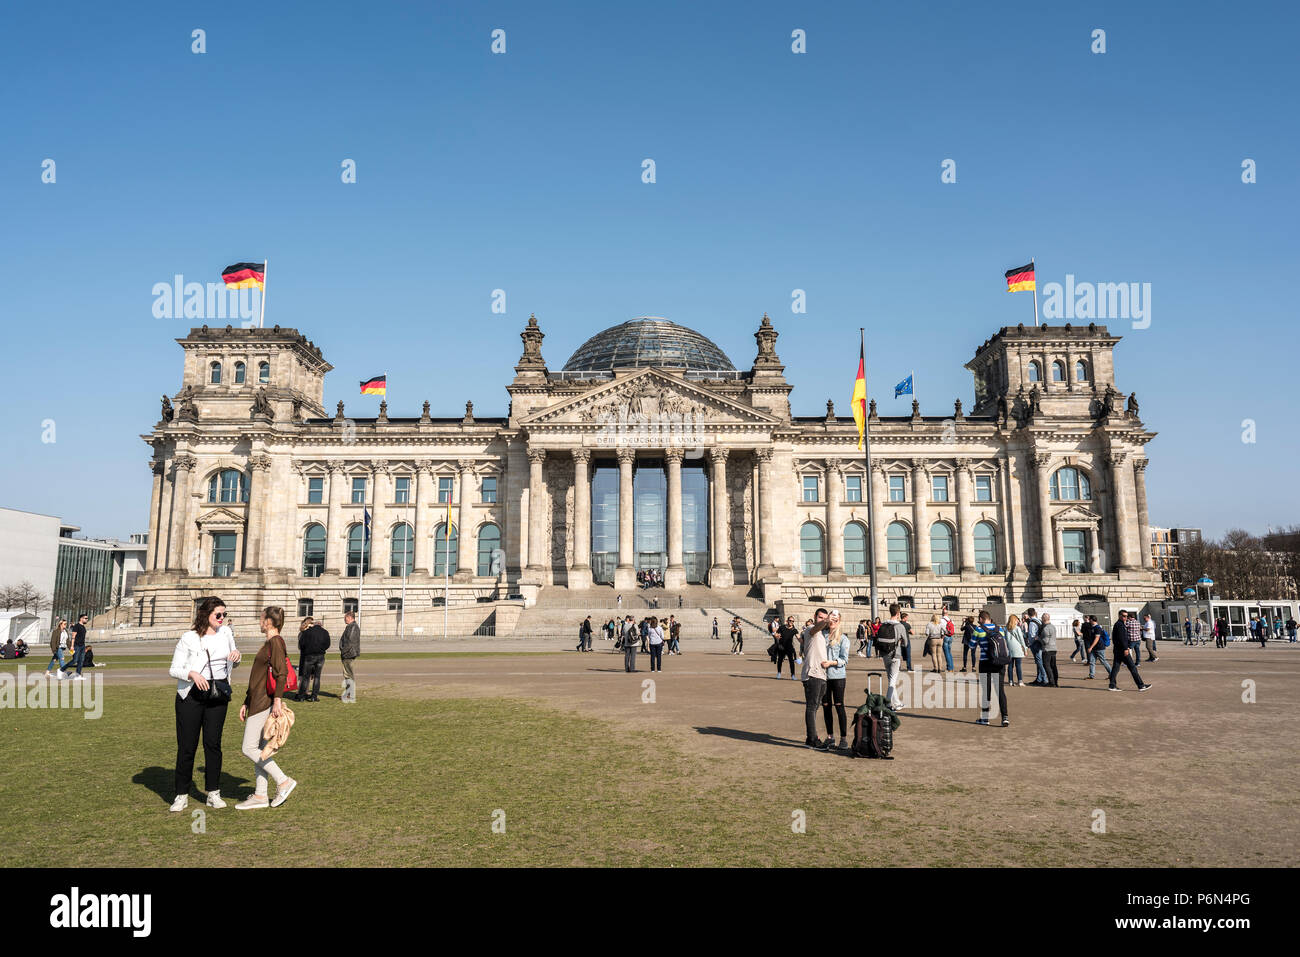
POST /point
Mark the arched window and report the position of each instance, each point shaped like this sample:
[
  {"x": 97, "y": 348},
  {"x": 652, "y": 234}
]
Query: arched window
[
  {"x": 1070, "y": 485},
  {"x": 899, "y": 542},
  {"x": 489, "y": 540},
  {"x": 358, "y": 551},
  {"x": 402, "y": 553},
  {"x": 1058, "y": 371},
  {"x": 855, "y": 549},
  {"x": 986, "y": 549},
  {"x": 313, "y": 551},
  {"x": 1081, "y": 371},
  {"x": 239, "y": 373},
  {"x": 264, "y": 372},
  {"x": 941, "y": 548},
  {"x": 1035, "y": 372},
  {"x": 228, "y": 487},
  {"x": 810, "y": 549},
  {"x": 216, "y": 373},
  {"x": 441, "y": 559}
]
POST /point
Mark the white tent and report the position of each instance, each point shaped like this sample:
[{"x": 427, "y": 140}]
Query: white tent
[{"x": 24, "y": 625}]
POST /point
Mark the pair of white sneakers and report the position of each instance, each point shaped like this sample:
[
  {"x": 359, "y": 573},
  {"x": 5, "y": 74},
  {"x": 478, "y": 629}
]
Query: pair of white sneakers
[
  {"x": 251, "y": 803},
  {"x": 182, "y": 801}
]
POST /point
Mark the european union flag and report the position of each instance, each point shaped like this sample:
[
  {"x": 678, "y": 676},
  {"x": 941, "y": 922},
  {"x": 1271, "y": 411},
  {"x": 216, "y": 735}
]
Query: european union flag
[
  {"x": 366, "y": 513},
  {"x": 903, "y": 388}
]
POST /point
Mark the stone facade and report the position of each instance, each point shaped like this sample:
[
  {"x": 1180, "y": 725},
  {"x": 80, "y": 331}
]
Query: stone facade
[{"x": 1038, "y": 494}]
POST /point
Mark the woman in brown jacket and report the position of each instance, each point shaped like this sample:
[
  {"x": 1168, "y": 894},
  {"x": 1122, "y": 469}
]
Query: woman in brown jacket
[{"x": 258, "y": 706}]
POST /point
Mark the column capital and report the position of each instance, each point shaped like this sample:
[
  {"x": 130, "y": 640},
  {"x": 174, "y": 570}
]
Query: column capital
[
  {"x": 465, "y": 465},
  {"x": 1116, "y": 459},
  {"x": 718, "y": 455},
  {"x": 674, "y": 455},
  {"x": 424, "y": 465},
  {"x": 261, "y": 463},
  {"x": 158, "y": 466},
  {"x": 380, "y": 466},
  {"x": 764, "y": 455},
  {"x": 536, "y": 456},
  {"x": 186, "y": 463},
  {"x": 335, "y": 465},
  {"x": 835, "y": 467},
  {"x": 626, "y": 456},
  {"x": 877, "y": 467},
  {"x": 963, "y": 465},
  {"x": 581, "y": 455},
  {"x": 1141, "y": 464},
  {"x": 1042, "y": 460},
  {"x": 920, "y": 465}
]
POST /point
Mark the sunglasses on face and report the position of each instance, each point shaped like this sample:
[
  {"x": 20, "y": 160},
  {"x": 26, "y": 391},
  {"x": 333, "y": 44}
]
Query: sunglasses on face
[{"x": 219, "y": 615}]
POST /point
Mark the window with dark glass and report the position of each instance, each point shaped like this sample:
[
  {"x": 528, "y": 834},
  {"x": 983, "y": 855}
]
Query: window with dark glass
[
  {"x": 313, "y": 551},
  {"x": 941, "y": 548},
  {"x": 489, "y": 540},
  {"x": 939, "y": 487},
  {"x": 855, "y": 549},
  {"x": 239, "y": 373},
  {"x": 810, "y": 549},
  {"x": 402, "y": 552},
  {"x": 216, "y": 373},
  {"x": 986, "y": 549},
  {"x": 228, "y": 486},
  {"x": 315, "y": 491},
  {"x": 489, "y": 489},
  {"x": 853, "y": 488},
  {"x": 358, "y": 551},
  {"x": 444, "y": 552},
  {"x": 264, "y": 372},
  {"x": 898, "y": 542},
  {"x": 223, "y": 554},
  {"x": 306, "y": 606}
]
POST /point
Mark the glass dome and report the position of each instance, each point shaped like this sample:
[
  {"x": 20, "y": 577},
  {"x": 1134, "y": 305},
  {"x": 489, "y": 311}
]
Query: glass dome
[{"x": 648, "y": 341}]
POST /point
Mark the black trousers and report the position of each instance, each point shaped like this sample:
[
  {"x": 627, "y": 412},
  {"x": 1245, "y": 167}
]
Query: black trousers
[
  {"x": 1126, "y": 659},
  {"x": 782, "y": 653},
  {"x": 834, "y": 695},
  {"x": 657, "y": 657},
  {"x": 312, "y": 666},
  {"x": 814, "y": 689},
  {"x": 987, "y": 679},
  {"x": 193, "y": 716},
  {"x": 1049, "y": 666}
]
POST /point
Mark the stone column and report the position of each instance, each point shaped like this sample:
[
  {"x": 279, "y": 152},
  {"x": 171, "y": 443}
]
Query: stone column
[
  {"x": 834, "y": 537},
  {"x": 336, "y": 542},
  {"x": 1144, "y": 526},
  {"x": 766, "y": 567},
  {"x": 580, "y": 573},
  {"x": 157, "y": 467},
  {"x": 465, "y": 569},
  {"x": 675, "y": 573},
  {"x": 876, "y": 522},
  {"x": 921, "y": 519},
  {"x": 177, "y": 560},
  {"x": 259, "y": 495},
  {"x": 424, "y": 495},
  {"x": 965, "y": 529},
  {"x": 1123, "y": 518},
  {"x": 1058, "y": 539},
  {"x": 536, "y": 512},
  {"x": 721, "y": 574},
  {"x": 625, "y": 572},
  {"x": 382, "y": 492},
  {"x": 166, "y": 521},
  {"x": 1046, "y": 538},
  {"x": 1011, "y": 510}
]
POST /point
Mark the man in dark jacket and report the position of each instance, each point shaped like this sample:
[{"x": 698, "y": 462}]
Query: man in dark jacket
[
  {"x": 313, "y": 643},
  {"x": 349, "y": 649}
]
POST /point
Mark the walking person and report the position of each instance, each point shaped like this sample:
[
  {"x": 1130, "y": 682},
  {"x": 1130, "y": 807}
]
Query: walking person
[
  {"x": 629, "y": 644},
  {"x": 1033, "y": 625},
  {"x": 990, "y": 670},
  {"x": 313, "y": 642},
  {"x": 1098, "y": 640},
  {"x": 949, "y": 631},
  {"x": 968, "y": 644},
  {"x": 1290, "y": 628},
  {"x": 906, "y": 645},
  {"x": 259, "y": 705},
  {"x": 814, "y": 675},
  {"x": 888, "y": 640},
  {"x": 715, "y": 629},
  {"x": 656, "y": 641},
  {"x": 1047, "y": 637},
  {"x": 349, "y": 651},
  {"x": 785, "y": 636},
  {"x": 1128, "y": 645},
  {"x": 837, "y": 657},
  {"x": 1187, "y": 632},
  {"x": 1016, "y": 648},
  {"x": 1079, "y": 648},
  {"x": 864, "y": 637},
  {"x": 78, "y": 646},
  {"x": 933, "y": 641},
  {"x": 737, "y": 638},
  {"x": 58, "y": 639},
  {"x": 201, "y": 666},
  {"x": 1149, "y": 636},
  {"x": 584, "y": 635}
]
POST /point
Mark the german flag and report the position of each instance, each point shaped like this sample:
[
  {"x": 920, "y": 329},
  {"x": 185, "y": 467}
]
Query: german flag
[
  {"x": 244, "y": 275},
  {"x": 376, "y": 386},
  {"x": 859, "y": 401},
  {"x": 1020, "y": 278}
]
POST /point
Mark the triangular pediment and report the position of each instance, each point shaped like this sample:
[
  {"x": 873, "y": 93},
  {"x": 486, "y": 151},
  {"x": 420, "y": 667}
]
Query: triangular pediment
[
  {"x": 1076, "y": 514},
  {"x": 653, "y": 394},
  {"x": 220, "y": 516}
]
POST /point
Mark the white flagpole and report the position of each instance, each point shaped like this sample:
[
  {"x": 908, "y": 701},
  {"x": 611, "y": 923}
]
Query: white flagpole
[
  {"x": 1035, "y": 269},
  {"x": 261, "y": 320},
  {"x": 446, "y": 565}
]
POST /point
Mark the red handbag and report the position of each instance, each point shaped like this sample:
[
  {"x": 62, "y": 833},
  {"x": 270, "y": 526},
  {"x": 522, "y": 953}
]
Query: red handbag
[{"x": 290, "y": 683}]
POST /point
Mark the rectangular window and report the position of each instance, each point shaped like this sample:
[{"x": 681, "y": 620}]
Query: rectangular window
[
  {"x": 810, "y": 488},
  {"x": 939, "y": 488},
  {"x": 1074, "y": 544},
  {"x": 853, "y": 488},
  {"x": 315, "y": 491},
  {"x": 489, "y": 490},
  {"x": 358, "y": 491},
  {"x": 223, "y": 554},
  {"x": 349, "y": 605},
  {"x": 394, "y": 604},
  {"x": 402, "y": 491},
  {"x": 983, "y": 488},
  {"x": 896, "y": 493},
  {"x": 306, "y": 606},
  {"x": 444, "y": 489}
]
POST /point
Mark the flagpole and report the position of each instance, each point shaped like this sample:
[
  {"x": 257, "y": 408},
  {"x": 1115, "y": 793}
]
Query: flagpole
[
  {"x": 446, "y": 564},
  {"x": 871, "y": 506},
  {"x": 261, "y": 320},
  {"x": 912, "y": 376},
  {"x": 1034, "y": 269}
]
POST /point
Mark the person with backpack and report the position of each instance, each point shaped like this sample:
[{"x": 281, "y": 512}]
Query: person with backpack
[
  {"x": 1098, "y": 642},
  {"x": 1128, "y": 645},
  {"x": 994, "y": 657},
  {"x": 1016, "y": 649},
  {"x": 949, "y": 630},
  {"x": 888, "y": 640},
  {"x": 1047, "y": 637},
  {"x": 629, "y": 644},
  {"x": 1033, "y": 625}
]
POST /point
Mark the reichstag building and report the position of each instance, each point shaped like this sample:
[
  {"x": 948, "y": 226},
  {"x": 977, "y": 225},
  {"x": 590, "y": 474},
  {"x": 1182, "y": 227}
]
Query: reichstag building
[{"x": 649, "y": 452}]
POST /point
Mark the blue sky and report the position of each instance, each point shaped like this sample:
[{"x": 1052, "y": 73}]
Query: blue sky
[{"x": 775, "y": 172}]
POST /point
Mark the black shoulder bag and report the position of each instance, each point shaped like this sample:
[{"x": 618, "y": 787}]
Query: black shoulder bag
[{"x": 218, "y": 688}]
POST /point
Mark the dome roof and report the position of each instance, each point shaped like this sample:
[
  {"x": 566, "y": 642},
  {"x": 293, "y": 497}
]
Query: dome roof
[{"x": 648, "y": 341}]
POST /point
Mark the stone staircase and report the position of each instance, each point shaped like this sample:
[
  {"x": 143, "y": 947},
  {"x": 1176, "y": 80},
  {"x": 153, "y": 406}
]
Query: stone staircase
[{"x": 559, "y": 612}]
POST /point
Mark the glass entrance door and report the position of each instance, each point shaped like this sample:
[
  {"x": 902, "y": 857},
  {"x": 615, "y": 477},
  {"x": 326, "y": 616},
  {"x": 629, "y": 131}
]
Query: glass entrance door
[{"x": 650, "y": 515}]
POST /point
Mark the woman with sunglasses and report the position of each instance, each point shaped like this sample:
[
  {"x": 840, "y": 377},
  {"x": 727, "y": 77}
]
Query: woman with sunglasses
[{"x": 201, "y": 666}]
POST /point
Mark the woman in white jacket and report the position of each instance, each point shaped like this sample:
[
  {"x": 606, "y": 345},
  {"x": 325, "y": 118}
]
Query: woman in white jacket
[
  {"x": 1016, "y": 649},
  {"x": 201, "y": 666}
]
